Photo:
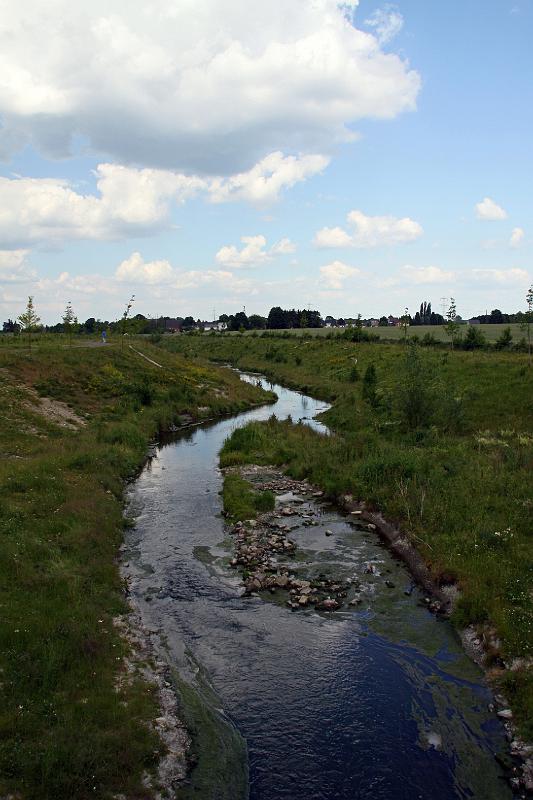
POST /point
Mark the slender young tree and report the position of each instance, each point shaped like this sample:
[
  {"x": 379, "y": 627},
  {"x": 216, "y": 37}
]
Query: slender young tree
[
  {"x": 404, "y": 324},
  {"x": 125, "y": 319},
  {"x": 529, "y": 320},
  {"x": 69, "y": 321},
  {"x": 452, "y": 326},
  {"x": 29, "y": 320}
]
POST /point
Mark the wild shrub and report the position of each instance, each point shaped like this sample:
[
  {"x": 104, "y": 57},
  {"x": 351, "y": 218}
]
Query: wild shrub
[
  {"x": 504, "y": 340},
  {"x": 370, "y": 382},
  {"x": 474, "y": 339},
  {"x": 416, "y": 394}
]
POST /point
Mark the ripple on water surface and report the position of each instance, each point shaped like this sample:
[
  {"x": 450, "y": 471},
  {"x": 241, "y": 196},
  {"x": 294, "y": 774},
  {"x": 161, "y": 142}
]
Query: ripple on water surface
[{"x": 378, "y": 702}]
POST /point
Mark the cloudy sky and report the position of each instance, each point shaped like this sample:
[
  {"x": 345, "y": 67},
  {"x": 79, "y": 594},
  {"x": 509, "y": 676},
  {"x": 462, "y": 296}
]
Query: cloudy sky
[{"x": 215, "y": 154}]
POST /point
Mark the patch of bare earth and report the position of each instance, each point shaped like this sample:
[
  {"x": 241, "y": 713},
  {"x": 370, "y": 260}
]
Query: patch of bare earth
[{"x": 55, "y": 411}]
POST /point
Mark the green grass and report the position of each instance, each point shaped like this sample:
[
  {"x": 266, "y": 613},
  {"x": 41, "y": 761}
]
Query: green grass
[
  {"x": 445, "y": 450},
  {"x": 241, "y": 502},
  {"x": 391, "y": 333},
  {"x": 66, "y": 730}
]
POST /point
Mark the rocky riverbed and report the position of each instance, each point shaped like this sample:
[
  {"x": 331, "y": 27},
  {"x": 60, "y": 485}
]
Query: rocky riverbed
[{"x": 270, "y": 561}]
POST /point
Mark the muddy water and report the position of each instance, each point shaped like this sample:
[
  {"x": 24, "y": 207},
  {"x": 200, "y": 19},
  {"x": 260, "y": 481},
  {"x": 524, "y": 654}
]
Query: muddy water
[{"x": 374, "y": 701}]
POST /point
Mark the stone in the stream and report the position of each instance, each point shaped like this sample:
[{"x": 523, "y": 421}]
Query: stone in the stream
[
  {"x": 389, "y": 584},
  {"x": 329, "y": 604},
  {"x": 505, "y": 713},
  {"x": 328, "y": 533}
]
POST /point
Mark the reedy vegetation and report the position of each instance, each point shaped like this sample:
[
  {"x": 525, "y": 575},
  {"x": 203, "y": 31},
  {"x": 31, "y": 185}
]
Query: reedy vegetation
[
  {"x": 67, "y": 729},
  {"x": 440, "y": 442}
]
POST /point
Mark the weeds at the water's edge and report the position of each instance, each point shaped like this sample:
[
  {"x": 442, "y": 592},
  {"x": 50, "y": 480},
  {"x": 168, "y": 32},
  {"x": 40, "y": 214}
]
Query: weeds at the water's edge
[
  {"x": 70, "y": 728},
  {"x": 440, "y": 442}
]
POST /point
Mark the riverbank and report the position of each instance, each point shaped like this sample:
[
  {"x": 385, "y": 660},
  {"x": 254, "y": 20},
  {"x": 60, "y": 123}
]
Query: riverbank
[
  {"x": 76, "y": 425},
  {"x": 441, "y": 448}
]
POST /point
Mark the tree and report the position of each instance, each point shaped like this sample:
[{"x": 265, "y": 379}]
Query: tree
[
  {"x": 405, "y": 321},
  {"x": 452, "y": 326},
  {"x": 383, "y": 322},
  {"x": 240, "y": 320},
  {"x": 474, "y": 338},
  {"x": 257, "y": 322},
  {"x": 276, "y": 318},
  {"x": 29, "y": 320},
  {"x": 10, "y": 327},
  {"x": 124, "y": 320},
  {"x": 505, "y": 340},
  {"x": 528, "y": 320},
  {"x": 69, "y": 321}
]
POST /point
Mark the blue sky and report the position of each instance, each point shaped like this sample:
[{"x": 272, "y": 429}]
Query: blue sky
[{"x": 222, "y": 154}]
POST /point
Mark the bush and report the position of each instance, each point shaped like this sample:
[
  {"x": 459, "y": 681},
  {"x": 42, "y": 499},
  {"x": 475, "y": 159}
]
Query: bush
[
  {"x": 474, "y": 339},
  {"x": 505, "y": 340}
]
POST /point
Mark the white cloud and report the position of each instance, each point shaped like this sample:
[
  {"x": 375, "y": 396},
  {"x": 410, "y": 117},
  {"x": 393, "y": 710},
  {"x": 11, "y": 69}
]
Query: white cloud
[
  {"x": 369, "y": 232},
  {"x": 208, "y": 88},
  {"x": 517, "y": 237},
  {"x": 264, "y": 181},
  {"x": 253, "y": 254},
  {"x": 335, "y": 274},
  {"x": 332, "y": 237},
  {"x": 387, "y": 22},
  {"x": 135, "y": 270},
  {"x": 508, "y": 277},
  {"x": 14, "y": 267},
  {"x": 421, "y": 275},
  {"x": 488, "y": 209},
  {"x": 130, "y": 201}
]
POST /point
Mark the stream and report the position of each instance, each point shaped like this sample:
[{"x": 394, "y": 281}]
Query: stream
[{"x": 372, "y": 701}]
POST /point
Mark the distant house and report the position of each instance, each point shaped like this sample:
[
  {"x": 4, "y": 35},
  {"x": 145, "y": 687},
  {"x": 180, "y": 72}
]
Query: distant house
[
  {"x": 394, "y": 321},
  {"x": 173, "y": 326},
  {"x": 216, "y": 325},
  {"x": 474, "y": 321},
  {"x": 373, "y": 323}
]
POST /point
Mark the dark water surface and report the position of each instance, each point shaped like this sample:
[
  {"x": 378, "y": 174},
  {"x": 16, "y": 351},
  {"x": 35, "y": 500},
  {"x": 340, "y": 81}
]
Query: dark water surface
[{"x": 374, "y": 702}]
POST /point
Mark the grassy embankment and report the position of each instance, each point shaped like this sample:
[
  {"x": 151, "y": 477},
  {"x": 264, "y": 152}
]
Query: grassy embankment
[
  {"x": 442, "y": 445},
  {"x": 66, "y": 730}
]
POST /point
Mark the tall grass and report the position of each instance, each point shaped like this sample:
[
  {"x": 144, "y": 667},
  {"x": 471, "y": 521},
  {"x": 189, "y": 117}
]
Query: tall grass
[{"x": 68, "y": 727}]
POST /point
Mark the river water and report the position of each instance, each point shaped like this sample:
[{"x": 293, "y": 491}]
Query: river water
[{"x": 378, "y": 701}]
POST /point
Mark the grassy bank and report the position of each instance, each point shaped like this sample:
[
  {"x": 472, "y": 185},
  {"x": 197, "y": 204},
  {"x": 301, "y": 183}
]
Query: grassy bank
[
  {"x": 441, "y": 443},
  {"x": 491, "y": 332},
  {"x": 69, "y": 727}
]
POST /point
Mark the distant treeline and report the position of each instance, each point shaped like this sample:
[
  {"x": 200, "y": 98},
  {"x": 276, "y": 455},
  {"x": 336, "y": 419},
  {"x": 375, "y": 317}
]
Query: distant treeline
[{"x": 277, "y": 319}]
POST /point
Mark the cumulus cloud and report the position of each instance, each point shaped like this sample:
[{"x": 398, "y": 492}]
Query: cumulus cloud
[
  {"x": 421, "y": 275},
  {"x": 517, "y": 237},
  {"x": 488, "y": 209},
  {"x": 335, "y": 274},
  {"x": 14, "y": 266},
  {"x": 387, "y": 22},
  {"x": 253, "y": 254},
  {"x": 509, "y": 277},
  {"x": 369, "y": 232},
  {"x": 264, "y": 181},
  {"x": 207, "y": 88},
  {"x": 136, "y": 270},
  {"x": 130, "y": 201}
]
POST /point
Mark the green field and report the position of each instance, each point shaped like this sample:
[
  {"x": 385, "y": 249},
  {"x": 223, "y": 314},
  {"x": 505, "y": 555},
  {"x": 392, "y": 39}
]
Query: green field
[
  {"x": 441, "y": 442},
  {"x": 72, "y": 723},
  {"x": 490, "y": 332}
]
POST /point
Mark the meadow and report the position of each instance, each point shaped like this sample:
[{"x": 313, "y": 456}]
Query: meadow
[
  {"x": 393, "y": 333},
  {"x": 440, "y": 442},
  {"x": 72, "y": 724}
]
